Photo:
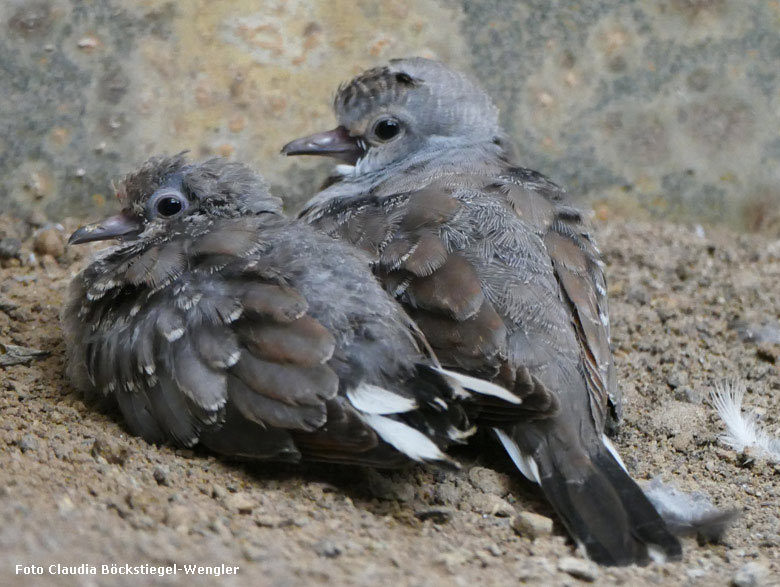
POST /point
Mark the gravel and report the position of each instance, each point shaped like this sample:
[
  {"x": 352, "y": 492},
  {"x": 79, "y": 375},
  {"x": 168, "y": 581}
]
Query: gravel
[{"x": 76, "y": 488}]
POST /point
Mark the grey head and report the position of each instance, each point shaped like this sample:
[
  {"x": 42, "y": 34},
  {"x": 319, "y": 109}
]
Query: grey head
[
  {"x": 167, "y": 193},
  {"x": 392, "y": 112}
]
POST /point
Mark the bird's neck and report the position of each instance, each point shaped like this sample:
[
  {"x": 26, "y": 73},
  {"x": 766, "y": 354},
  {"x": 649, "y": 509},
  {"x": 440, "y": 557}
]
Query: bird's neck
[{"x": 439, "y": 158}]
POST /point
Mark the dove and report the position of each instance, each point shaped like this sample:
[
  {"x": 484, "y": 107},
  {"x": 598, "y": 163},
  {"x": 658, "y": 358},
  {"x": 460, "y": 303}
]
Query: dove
[
  {"x": 499, "y": 271},
  {"x": 216, "y": 320}
]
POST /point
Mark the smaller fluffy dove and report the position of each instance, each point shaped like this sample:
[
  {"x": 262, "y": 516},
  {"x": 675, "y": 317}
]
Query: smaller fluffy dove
[{"x": 216, "y": 320}]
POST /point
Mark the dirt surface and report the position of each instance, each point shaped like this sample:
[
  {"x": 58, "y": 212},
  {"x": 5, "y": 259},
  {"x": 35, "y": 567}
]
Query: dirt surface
[{"x": 76, "y": 489}]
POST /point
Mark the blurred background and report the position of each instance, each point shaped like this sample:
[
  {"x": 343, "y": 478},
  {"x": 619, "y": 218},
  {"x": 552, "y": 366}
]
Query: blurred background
[{"x": 664, "y": 109}]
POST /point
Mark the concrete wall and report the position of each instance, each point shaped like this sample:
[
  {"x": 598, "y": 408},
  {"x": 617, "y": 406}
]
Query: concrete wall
[{"x": 668, "y": 108}]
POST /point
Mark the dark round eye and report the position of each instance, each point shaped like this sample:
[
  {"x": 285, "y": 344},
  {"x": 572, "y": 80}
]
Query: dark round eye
[
  {"x": 169, "y": 206},
  {"x": 167, "y": 203},
  {"x": 386, "y": 129}
]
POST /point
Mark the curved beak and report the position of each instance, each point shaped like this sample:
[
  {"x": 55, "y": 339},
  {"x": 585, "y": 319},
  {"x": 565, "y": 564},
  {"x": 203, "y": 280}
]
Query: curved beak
[
  {"x": 113, "y": 227},
  {"x": 335, "y": 143}
]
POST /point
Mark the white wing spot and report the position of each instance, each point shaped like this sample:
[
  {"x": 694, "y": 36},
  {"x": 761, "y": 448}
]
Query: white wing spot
[
  {"x": 173, "y": 335},
  {"x": 411, "y": 442},
  {"x": 372, "y": 399},
  {"x": 479, "y": 385}
]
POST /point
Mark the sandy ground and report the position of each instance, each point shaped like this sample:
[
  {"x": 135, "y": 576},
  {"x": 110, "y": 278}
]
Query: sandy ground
[{"x": 76, "y": 489}]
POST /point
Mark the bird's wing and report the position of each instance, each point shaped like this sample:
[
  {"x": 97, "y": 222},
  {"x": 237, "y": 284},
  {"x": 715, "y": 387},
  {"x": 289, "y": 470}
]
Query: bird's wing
[
  {"x": 580, "y": 273},
  {"x": 402, "y": 234},
  {"x": 196, "y": 324},
  {"x": 414, "y": 239}
]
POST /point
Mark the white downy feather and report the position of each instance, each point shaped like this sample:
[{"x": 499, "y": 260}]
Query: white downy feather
[
  {"x": 742, "y": 429},
  {"x": 525, "y": 463}
]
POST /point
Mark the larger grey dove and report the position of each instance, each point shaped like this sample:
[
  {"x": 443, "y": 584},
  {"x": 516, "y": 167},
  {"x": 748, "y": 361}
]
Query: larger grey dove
[{"x": 500, "y": 273}]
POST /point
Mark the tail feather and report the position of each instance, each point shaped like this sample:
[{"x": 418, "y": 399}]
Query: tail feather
[
  {"x": 602, "y": 508},
  {"x": 594, "y": 514},
  {"x": 646, "y": 523}
]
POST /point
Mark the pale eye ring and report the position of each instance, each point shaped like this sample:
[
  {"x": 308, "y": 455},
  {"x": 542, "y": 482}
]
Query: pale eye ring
[{"x": 168, "y": 203}]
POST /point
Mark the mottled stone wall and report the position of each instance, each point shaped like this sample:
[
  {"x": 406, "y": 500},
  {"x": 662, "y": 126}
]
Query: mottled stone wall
[
  {"x": 671, "y": 107},
  {"x": 668, "y": 108}
]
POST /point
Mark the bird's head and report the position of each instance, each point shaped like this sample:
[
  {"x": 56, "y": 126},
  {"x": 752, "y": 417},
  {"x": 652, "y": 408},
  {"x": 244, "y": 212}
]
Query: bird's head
[
  {"x": 395, "y": 111},
  {"x": 167, "y": 192}
]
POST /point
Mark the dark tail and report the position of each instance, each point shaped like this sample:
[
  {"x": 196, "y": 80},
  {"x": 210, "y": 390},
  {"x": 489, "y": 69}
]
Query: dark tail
[{"x": 599, "y": 504}]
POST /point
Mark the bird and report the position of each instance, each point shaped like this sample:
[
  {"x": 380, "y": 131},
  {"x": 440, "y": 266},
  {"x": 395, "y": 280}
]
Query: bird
[
  {"x": 217, "y": 321},
  {"x": 498, "y": 268}
]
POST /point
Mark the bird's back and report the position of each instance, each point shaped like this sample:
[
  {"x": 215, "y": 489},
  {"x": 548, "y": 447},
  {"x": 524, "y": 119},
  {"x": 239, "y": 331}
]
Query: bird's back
[{"x": 475, "y": 275}]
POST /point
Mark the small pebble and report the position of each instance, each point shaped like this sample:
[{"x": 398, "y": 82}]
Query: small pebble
[
  {"x": 49, "y": 263},
  {"x": 65, "y": 506},
  {"x": 178, "y": 516},
  {"x": 532, "y": 525},
  {"x": 688, "y": 395},
  {"x": 240, "y": 502},
  {"x": 637, "y": 295},
  {"x": 111, "y": 450},
  {"x": 253, "y": 554},
  {"x": 271, "y": 521},
  {"x": 28, "y": 443},
  {"x": 142, "y": 500},
  {"x": 446, "y": 493},
  {"x": 88, "y": 43},
  {"x": 437, "y": 515},
  {"x": 10, "y": 247},
  {"x": 695, "y": 573},
  {"x": 49, "y": 242},
  {"x": 769, "y": 352},
  {"x": 682, "y": 442},
  {"x": 37, "y": 218},
  {"x": 160, "y": 475},
  {"x": 752, "y": 574},
  {"x": 579, "y": 568},
  {"x": 677, "y": 379},
  {"x": 387, "y": 488},
  {"x": 489, "y": 481},
  {"x": 491, "y": 505},
  {"x": 327, "y": 549}
]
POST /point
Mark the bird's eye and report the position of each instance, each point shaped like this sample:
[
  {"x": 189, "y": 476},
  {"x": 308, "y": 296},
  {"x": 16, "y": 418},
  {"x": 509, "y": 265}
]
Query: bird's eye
[
  {"x": 386, "y": 129},
  {"x": 168, "y": 204}
]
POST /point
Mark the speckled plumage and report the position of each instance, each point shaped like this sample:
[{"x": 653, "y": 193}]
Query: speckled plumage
[
  {"x": 500, "y": 272},
  {"x": 232, "y": 326}
]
